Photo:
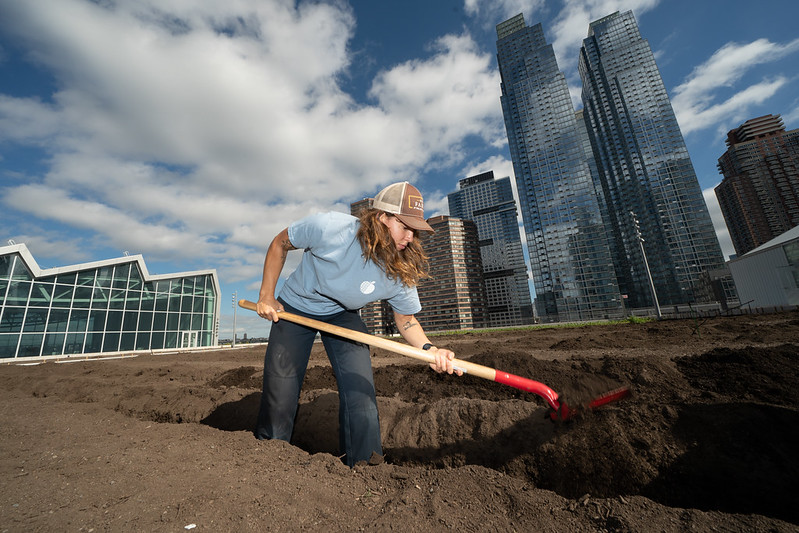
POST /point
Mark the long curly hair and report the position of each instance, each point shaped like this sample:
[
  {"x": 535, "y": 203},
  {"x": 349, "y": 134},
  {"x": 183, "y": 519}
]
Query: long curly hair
[{"x": 408, "y": 265}]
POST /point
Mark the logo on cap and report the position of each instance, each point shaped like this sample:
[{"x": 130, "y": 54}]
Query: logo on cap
[{"x": 416, "y": 203}]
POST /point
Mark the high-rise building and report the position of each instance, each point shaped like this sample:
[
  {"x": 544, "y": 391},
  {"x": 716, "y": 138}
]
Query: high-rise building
[
  {"x": 644, "y": 170},
  {"x": 759, "y": 195},
  {"x": 453, "y": 298},
  {"x": 356, "y": 208},
  {"x": 489, "y": 203},
  {"x": 570, "y": 258}
]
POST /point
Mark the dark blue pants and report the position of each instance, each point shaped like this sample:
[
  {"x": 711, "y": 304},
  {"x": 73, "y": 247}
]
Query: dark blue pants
[{"x": 285, "y": 363}]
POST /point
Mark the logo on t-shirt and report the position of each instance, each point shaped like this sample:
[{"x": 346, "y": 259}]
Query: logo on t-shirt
[{"x": 367, "y": 287}]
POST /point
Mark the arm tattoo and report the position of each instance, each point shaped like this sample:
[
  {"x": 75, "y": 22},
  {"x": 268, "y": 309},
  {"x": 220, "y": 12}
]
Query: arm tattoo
[
  {"x": 408, "y": 325},
  {"x": 285, "y": 247}
]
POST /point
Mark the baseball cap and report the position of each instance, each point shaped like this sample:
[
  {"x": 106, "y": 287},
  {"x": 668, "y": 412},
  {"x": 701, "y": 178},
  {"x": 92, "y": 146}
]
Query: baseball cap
[{"x": 404, "y": 201}]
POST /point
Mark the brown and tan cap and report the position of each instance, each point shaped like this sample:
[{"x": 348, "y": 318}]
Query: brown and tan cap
[{"x": 404, "y": 201}]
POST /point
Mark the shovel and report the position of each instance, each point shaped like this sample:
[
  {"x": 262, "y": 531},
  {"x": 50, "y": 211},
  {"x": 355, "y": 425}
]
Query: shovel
[{"x": 559, "y": 410}]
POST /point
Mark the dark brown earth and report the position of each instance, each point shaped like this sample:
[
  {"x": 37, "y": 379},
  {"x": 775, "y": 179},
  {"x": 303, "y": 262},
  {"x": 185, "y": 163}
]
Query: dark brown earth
[{"x": 707, "y": 441}]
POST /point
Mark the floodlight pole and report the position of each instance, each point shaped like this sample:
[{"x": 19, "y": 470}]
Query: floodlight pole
[
  {"x": 235, "y": 299},
  {"x": 646, "y": 264}
]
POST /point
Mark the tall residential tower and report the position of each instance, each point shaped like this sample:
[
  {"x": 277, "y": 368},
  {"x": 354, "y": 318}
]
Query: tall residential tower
[
  {"x": 490, "y": 204},
  {"x": 759, "y": 195},
  {"x": 572, "y": 268},
  {"x": 453, "y": 297},
  {"x": 645, "y": 172}
]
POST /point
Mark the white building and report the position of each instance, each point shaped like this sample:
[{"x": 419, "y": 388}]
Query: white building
[
  {"x": 768, "y": 276},
  {"x": 114, "y": 305}
]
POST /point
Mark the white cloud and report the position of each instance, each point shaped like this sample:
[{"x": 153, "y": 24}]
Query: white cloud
[
  {"x": 53, "y": 244},
  {"x": 791, "y": 118},
  {"x": 695, "y": 101},
  {"x": 161, "y": 240},
  {"x": 728, "y": 113},
  {"x": 458, "y": 81},
  {"x": 199, "y": 130},
  {"x": 27, "y": 120}
]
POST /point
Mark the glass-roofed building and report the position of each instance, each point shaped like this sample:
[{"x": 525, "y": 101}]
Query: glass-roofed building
[{"x": 102, "y": 307}]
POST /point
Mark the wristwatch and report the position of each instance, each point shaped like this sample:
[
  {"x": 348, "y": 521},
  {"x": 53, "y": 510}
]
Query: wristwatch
[{"x": 427, "y": 346}]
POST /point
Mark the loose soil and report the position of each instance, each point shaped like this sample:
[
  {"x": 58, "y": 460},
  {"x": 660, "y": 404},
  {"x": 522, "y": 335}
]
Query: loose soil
[{"x": 707, "y": 441}]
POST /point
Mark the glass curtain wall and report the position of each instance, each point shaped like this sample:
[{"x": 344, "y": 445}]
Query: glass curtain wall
[
  {"x": 570, "y": 258},
  {"x": 647, "y": 181},
  {"x": 105, "y": 309}
]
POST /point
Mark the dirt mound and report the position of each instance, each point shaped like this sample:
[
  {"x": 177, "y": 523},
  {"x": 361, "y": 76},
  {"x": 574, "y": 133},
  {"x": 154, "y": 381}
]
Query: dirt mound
[
  {"x": 767, "y": 375},
  {"x": 243, "y": 377},
  {"x": 706, "y": 440},
  {"x": 677, "y": 441}
]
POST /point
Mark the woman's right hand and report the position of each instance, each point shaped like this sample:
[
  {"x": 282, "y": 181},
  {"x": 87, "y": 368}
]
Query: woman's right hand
[{"x": 269, "y": 308}]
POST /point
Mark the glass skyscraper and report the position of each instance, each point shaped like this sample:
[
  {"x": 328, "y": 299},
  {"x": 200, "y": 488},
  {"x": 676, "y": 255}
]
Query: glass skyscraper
[
  {"x": 572, "y": 268},
  {"x": 490, "y": 204},
  {"x": 644, "y": 170}
]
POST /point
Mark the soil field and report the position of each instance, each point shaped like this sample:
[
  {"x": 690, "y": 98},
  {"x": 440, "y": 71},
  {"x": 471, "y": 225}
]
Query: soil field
[{"x": 707, "y": 441}]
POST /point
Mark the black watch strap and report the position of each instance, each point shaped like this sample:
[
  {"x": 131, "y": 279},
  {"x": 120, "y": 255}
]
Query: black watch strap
[{"x": 427, "y": 346}]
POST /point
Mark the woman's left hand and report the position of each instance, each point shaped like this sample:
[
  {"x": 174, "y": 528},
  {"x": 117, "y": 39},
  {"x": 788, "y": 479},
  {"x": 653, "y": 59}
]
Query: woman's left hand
[{"x": 444, "y": 362}]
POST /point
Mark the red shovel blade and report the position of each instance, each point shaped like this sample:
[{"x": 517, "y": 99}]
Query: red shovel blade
[
  {"x": 564, "y": 412},
  {"x": 559, "y": 410},
  {"x": 609, "y": 397}
]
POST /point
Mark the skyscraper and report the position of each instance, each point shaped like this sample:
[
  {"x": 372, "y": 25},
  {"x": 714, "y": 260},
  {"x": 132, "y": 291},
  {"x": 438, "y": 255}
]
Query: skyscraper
[
  {"x": 489, "y": 203},
  {"x": 453, "y": 298},
  {"x": 644, "y": 169},
  {"x": 759, "y": 195},
  {"x": 572, "y": 268}
]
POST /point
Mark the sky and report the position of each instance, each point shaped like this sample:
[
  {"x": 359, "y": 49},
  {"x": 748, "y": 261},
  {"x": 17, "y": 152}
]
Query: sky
[{"x": 192, "y": 132}]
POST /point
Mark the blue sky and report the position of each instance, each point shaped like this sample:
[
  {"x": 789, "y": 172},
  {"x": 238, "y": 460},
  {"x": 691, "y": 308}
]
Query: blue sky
[{"x": 193, "y": 132}]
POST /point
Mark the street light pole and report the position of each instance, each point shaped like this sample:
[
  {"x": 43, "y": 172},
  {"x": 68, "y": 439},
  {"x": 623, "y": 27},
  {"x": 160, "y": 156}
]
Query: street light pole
[
  {"x": 646, "y": 264},
  {"x": 235, "y": 294}
]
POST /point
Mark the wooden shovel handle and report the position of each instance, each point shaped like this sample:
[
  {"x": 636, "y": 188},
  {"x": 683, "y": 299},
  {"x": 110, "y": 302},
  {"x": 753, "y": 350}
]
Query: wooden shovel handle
[
  {"x": 518, "y": 382},
  {"x": 378, "y": 342}
]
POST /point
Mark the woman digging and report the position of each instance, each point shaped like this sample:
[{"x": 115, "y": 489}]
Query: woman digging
[{"x": 347, "y": 263}]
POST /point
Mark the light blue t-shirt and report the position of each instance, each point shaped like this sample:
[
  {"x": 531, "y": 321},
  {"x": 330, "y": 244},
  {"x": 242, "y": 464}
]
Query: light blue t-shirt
[{"x": 333, "y": 274}]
